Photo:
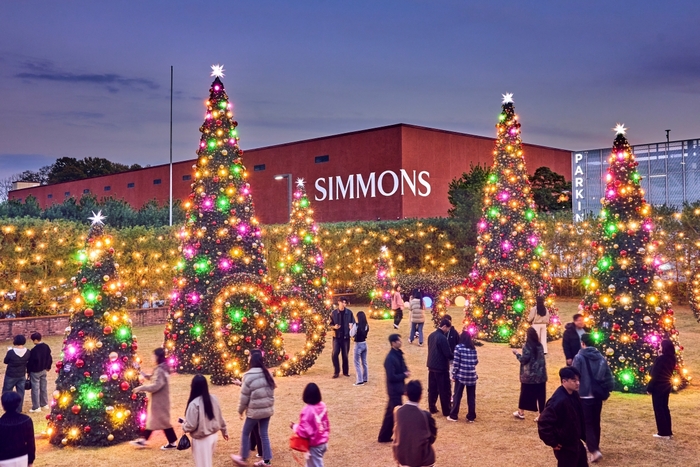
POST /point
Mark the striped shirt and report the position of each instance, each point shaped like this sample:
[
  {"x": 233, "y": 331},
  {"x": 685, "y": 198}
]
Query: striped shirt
[{"x": 464, "y": 367}]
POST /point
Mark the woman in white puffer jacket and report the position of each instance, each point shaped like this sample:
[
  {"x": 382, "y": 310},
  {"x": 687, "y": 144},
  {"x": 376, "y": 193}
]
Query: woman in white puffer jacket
[{"x": 417, "y": 317}]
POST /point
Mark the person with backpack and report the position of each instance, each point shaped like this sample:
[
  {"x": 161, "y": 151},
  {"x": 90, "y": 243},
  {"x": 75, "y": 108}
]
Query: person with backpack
[
  {"x": 660, "y": 387},
  {"x": 539, "y": 319},
  {"x": 203, "y": 421},
  {"x": 16, "y": 360},
  {"x": 257, "y": 401},
  {"x": 533, "y": 376},
  {"x": 464, "y": 375},
  {"x": 359, "y": 332},
  {"x": 417, "y": 315},
  {"x": 313, "y": 425},
  {"x": 596, "y": 383}
]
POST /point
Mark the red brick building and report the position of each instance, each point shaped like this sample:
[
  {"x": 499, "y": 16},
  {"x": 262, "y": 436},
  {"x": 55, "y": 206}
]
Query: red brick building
[{"x": 392, "y": 172}]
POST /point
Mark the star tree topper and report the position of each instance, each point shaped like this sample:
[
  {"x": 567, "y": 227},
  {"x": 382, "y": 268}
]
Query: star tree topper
[
  {"x": 507, "y": 98},
  {"x": 620, "y": 129},
  {"x": 97, "y": 218},
  {"x": 300, "y": 182},
  {"x": 217, "y": 71}
]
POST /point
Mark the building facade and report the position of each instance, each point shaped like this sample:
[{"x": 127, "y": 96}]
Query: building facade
[
  {"x": 669, "y": 173},
  {"x": 393, "y": 172}
]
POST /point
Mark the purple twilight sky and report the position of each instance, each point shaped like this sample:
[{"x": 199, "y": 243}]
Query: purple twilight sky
[{"x": 87, "y": 78}]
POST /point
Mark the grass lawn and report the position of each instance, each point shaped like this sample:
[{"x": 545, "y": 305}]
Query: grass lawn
[{"x": 496, "y": 439}]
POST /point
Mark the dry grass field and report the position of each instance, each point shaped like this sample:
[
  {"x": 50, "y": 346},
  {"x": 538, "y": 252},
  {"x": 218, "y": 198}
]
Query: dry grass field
[{"x": 496, "y": 439}]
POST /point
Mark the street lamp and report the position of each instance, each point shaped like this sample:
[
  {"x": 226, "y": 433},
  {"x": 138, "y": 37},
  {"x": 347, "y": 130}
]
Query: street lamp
[{"x": 289, "y": 190}]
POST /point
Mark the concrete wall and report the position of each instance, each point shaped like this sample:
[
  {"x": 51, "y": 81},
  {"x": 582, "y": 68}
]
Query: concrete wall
[{"x": 56, "y": 325}]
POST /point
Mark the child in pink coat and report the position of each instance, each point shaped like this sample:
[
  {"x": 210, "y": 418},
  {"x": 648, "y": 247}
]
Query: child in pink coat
[{"x": 313, "y": 425}]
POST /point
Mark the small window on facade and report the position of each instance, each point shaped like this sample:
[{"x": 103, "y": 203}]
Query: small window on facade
[
  {"x": 186, "y": 177},
  {"x": 320, "y": 159},
  {"x": 19, "y": 200},
  {"x": 108, "y": 188},
  {"x": 156, "y": 181},
  {"x": 130, "y": 185},
  {"x": 86, "y": 190},
  {"x": 66, "y": 194},
  {"x": 49, "y": 196},
  {"x": 258, "y": 168}
]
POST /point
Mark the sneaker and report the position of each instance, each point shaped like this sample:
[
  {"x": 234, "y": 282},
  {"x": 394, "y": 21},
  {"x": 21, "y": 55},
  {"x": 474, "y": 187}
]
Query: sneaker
[
  {"x": 35, "y": 410},
  {"x": 359, "y": 384},
  {"x": 396, "y": 326},
  {"x": 450, "y": 419},
  {"x": 470, "y": 421},
  {"x": 139, "y": 443},
  {"x": 238, "y": 460},
  {"x": 262, "y": 463},
  {"x": 168, "y": 447},
  {"x": 46, "y": 407},
  {"x": 335, "y": 376},
  {"x": 537, "y": 419},
  {"x": 656, "y": 435},
  {"x": 518, "y": 415},
  {"x": 596, "y": 456},
  {"x": 420, "y": 345},
  {"x": 346, "y": 375}
]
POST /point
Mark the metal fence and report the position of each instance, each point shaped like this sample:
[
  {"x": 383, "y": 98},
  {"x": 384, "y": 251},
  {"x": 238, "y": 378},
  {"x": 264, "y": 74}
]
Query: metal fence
[{"x": 670, "y": 174}]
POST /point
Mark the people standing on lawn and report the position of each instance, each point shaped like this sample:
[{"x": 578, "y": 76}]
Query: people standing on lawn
[
  {"x": 313, "y": 425},
  {"x": 464, "y": 376},
  {"x": 341, "y": 321},
  {"x": 533, "y": 376},
  {"x": 439, "y": 356},
  {"x": 17, "y": 447},
  {"x": 257, "y": 401},
  {"x": 40, "y": 362},
  {"x": 158, "y": 417},
  {"x": 203, "y": 421},
  {"x": 417, "y": 314},
  {"x": 561, "y": 425},
  {"x": 571, "y": 340},
  {"x": 360, "y": 353},
  {"x": 660, "y": 387},
  {"x": 596, "y": 383},
  {"x": 16, "y": 359},
  {"x": 397, "y": 305},
  {"x": 396, "y": 374},
  {"x": 415, "y": 431},
  {"x": 539, "y": 319}
]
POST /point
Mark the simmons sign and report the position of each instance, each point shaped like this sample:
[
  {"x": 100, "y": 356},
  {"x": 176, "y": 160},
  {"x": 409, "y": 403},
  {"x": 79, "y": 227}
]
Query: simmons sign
[{"x": 387, "y": 183}]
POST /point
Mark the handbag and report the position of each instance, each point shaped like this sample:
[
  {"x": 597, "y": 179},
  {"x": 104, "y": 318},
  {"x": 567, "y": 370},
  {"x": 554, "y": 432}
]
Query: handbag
[
  {"x": 598, "y": 391},
  {"x": 353, "y": 329},
  {"x": 184, "y": 443},
  {"x": 297, "y": 443},
  {"x": 27, "y": 384}
]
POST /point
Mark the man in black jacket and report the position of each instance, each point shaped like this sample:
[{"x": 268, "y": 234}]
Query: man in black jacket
[
  {"x": 40, "y": 362},
  {"x": 452, "y": 336},
  {"x": 439, "y": 357},
  {"x": 341, "y": 320},
  {"x": 571, "y": 340},
  {"x": 561, "y": 425},
  {"x": 396, "y": 374}
]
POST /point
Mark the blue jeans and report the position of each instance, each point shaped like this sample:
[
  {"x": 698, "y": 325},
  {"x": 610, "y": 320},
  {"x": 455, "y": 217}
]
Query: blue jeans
[
  {"x": 40, "y": 395},
  {"x": 263, "y": 425},
  {"x": 316, "y": 453},
  {"x": 361, "y": 355},
  {"x": 416, "y": 328},
  {"x": 16, "y": 384}
]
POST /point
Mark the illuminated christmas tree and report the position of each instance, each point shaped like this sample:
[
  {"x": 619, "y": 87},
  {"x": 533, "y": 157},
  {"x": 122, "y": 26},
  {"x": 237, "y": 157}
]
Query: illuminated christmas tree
[
  {"x": 694, "y": 293},
  {"x": 509, "y": 269},
  {"x": 93, "y": 404},
  {"x": 221, "y": 247},
  {"x": 626, "y": 305},
  {"x": 303, "y": 283},
  {"x": 380, "y": 304}
]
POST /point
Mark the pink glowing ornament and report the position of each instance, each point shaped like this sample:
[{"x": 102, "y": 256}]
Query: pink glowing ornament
[
  {"x": 207, "y": 204},
  {"x": 242, "y": 228},
  {"x": 295, "y": 327},
  {"x": 497, "y": 296},
  {"x": 225, "y": 264},
  {"x": 381, "y": 273},
  {"x": 297, "y": 194},
  {"x": 503, "y": 196},
  {"x": 193, "y": 297},
  {"x": 174, "y": 295},
  {"x": 294, "y": 240},
  {"x": 172, "y": 361},
  {"x": 319, "y": 259},
  {"x": 532, "y": 240},
  {"x": 610, "y": 193},
  {"x": 471, "y": 330},
  {"x": 115, "y": 367},
  {"x": 202, "y": 144},
  {"x": 71, "y": 350},
  {"x": 246, "y": 191},
  {"x": 648, "y": 226},
  {"x": 506, "y": 246},
  {"x": 188, "y": 252},
  {"x": 482, "y": 225},
  {"x": 142, "y": 417}
]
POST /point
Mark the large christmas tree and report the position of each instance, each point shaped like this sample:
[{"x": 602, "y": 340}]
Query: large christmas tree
[
  {"x": 509, "y": 269},
  {"x": 380, "y": 304},
  {"x": 304, "y": 284},
  {"x": 221, "y": 247},
  {"x": 93, "y": 404},
  {"x": 626, "y": 306}
]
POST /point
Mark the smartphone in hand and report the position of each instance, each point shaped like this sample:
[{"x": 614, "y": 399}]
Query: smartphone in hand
[{"x": 180, "y": 420}]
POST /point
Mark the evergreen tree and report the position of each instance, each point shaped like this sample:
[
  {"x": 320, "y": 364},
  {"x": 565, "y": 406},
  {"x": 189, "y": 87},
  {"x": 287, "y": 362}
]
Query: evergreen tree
[
  {"x": 221, "y": 247},
  {"x": 627, "y": 308},
  {"x": 380, "y": 305},
  {"x": 509, "y": 269},
  {"x": 93, "y": 404}
]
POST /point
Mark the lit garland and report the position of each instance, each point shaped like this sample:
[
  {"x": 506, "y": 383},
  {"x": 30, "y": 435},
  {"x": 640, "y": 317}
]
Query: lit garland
[
  {"x": 93, "y": 404},
  {"x": 380, "y": 305},
  {"x": 694, "y": 293},
  {"x": 626, "y": 305},
  {"x": 510, "y": 267},
  {"x": 220, "y": 245}
]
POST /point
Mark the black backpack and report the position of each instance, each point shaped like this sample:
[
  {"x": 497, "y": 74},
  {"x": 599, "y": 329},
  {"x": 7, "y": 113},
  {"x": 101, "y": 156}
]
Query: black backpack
[{"x": 597, "y": 389}]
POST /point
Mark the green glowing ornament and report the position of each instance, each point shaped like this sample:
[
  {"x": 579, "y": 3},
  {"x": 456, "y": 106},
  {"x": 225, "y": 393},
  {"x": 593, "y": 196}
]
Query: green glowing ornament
[
  {"x": 196, "y": 330},
  {"x": 223, "y": 203},
  {"x": 282, "y": 326},
  {"x": 493, "y": 178},
  {"x": 604, "y": 262},
  {"x": 212, "y": 143},
  {"x": 82, "y": 256},
  {"x": 529, "y": 214},
  {"x": 90, "y": 295},
  {"x": 308, "y": 239},
  {"x": 519, "y": 306},
  {"x": 493, "y": 212},
  {"x": 304, "y": 203},
  {"x": 504, "y": 331},
  {"x": 611, "y": 228},
  {"x": 124, "y": 333},
  {"x": 297, "y": 268},
  {"x": 626, "y": 377},
  {"x": 597, "y": 336}
]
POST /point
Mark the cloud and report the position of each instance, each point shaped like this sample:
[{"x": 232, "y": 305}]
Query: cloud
[{"x": 42, "y": 70}]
